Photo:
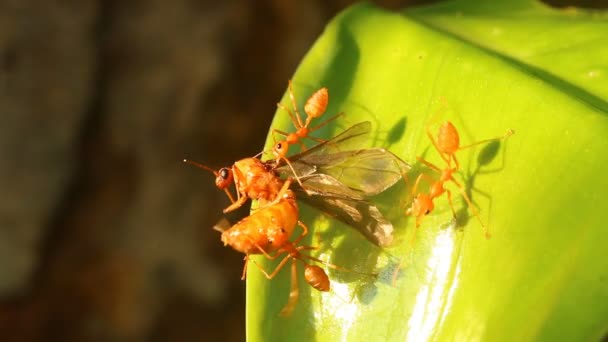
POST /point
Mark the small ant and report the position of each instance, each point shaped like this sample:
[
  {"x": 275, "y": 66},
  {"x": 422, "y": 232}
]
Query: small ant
[
  {"x": 315, "y": 107},
  {"x": 446, "y": 144}
]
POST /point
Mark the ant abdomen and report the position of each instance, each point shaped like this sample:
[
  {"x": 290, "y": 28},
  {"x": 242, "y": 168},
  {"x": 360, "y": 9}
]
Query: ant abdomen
[{"x": 316, "y": 277}]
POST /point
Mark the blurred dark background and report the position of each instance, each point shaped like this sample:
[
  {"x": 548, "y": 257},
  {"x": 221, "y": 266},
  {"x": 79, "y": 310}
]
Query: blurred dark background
[{"x": 104, "y": 234}]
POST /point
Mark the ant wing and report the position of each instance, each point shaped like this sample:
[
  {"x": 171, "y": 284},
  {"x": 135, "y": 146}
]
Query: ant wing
[
  {"x": 319, "y": 184},
  {"x": 370, "y": 171},
  {"x": 353, "y": 137},
  {"x": 361, "y": 215},
  {"x": 347, "y": 205}
]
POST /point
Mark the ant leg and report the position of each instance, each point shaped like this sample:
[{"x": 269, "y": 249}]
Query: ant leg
[
  {"x": 430, "y": 135},
  {"x": 304, "y": 232},
  {"x": 262, "y": 250},
  {"x": 246, "y": 259},
  {"x": 473, "y": 209},
  {"x": 294, "y": 173},
  {"x": 282, "y": 191},
  {"x": 418, "y": 179},
  {"x": 276, "y": 270},
  {"x": 449, "y": 194},
  {"x": 457, "y": 164},
  {"x": 227, "y": 192},
  {"x": 240, "y": 200},
  {"x": 418, "y": 219},
  {"x": 317, "y": 140},
  {"x": 429, "y": 164},
  {"x": 413, "y": 193},
  {"x": 235, "y": 205},
  {"x": 509, "y": 133},
  {"x": 294, "y": 293},
  {"x": 415, "y": 188},
  {"x": 279, "y": 132},
  {"x": 307, "y": 248},
  {"x": 324, "y": 123},
  {"x": 297, "y": 122},
  {"x": 302, "y": 145},
  {"x": 280, "y": 194},
  {"x": 328, "y": 264},
  {"x": 293, "y": 103}
]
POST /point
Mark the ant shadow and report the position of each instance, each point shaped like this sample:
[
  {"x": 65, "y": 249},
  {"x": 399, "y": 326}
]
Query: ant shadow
[
  {"x": 397, "y": 131},
  {"x": 380, "y": 137},
  {"x": 487, "y": 154}
]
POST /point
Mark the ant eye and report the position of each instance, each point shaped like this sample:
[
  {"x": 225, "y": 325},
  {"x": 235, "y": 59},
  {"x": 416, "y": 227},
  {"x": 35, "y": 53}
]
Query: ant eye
[
  {"x": 427, "y": 212},
  {"x": 282, "y": 231},
  {"x": 270, "y": 241},
  {"x": 224, "y": 173},
  {"x": 279, "y": 146}
]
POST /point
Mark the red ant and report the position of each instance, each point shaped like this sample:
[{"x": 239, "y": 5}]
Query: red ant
[
  {"x": 267, "y": 230},
  {"x": 252, "y": 178},
  {"x": 321, "y": 170},
  {"x": 315, "y": 107},
  {"x": 446, "y": 144}
]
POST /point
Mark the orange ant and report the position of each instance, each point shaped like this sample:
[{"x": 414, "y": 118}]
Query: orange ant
[
  {"x": 252, "y": 178},
  {"x": 267, "y": 230},
  {"x": 321, "y": 169},
  {"x": 315, "y": 107},
  {"x": 270, "y": 226},
  {"x": 446, "y": 144}
]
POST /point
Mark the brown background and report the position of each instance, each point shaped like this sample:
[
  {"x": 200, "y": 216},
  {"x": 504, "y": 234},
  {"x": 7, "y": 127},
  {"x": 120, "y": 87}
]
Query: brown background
[{"x": 104, "y": 234}]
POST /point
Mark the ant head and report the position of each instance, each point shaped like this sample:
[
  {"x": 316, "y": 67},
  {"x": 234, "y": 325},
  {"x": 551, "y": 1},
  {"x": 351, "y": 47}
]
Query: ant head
[
  {"x": 280, "y": 149},
  {"x": 422, "y": 205},
  {"x": 223, "y": 178}
]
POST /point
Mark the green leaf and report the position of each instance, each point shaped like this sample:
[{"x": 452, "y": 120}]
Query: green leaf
[{"x": 497, "y": 65}]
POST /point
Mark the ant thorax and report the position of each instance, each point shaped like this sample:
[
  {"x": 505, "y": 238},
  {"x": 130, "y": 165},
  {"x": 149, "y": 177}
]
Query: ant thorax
[{"x": 255, "y": 181}]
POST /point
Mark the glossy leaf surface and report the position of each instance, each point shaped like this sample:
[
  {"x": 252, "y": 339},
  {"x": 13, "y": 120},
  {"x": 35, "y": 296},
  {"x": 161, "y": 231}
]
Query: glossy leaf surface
[{"x": 486, "y": 67}]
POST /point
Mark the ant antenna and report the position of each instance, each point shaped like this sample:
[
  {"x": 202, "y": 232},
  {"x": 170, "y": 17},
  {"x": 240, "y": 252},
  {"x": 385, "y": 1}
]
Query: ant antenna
[
  {"x": 215, "y": 173},
  {"x": 200, "y": 166},
  {"x": 259, "y": 153}
]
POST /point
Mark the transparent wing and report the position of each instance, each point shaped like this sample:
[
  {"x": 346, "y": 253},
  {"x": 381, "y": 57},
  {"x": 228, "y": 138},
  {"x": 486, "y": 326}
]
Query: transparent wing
[
  {"x": 352, "y": 138},
  {"x": 339, "y": 176},
  {"x": 371, "y": 170},
  {"x": 319, "y": 184},
  {"x": 359, "y": 214},
  {"x": 347, "y": 205}
]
